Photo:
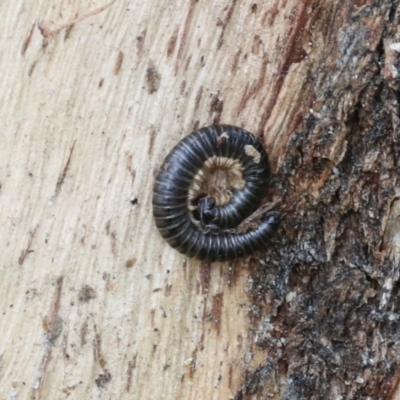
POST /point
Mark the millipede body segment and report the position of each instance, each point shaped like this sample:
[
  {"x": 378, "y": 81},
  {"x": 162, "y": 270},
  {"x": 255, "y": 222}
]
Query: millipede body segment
[{"x": 210, "y": 182}]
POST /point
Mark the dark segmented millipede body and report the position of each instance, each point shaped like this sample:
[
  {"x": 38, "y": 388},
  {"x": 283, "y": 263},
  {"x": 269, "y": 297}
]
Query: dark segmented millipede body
[{"x": 180, "y": 179}]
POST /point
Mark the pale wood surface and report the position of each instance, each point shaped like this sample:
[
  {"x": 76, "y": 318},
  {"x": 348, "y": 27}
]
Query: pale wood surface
[
  {"x": 94, "y": 304},
  {"x": 93, "y": 96}
]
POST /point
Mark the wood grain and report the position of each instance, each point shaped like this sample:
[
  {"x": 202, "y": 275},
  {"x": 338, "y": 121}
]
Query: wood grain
[
  {"x": 94, "y": 95},
  {"x": 84, "y": 129}
]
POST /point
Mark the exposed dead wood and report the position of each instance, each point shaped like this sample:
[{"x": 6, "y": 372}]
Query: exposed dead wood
[{"x": 94, "y": 304}]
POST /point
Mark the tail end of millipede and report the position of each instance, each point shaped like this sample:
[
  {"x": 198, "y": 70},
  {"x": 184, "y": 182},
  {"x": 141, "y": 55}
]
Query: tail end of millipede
[{"x": 273, "y": 220}]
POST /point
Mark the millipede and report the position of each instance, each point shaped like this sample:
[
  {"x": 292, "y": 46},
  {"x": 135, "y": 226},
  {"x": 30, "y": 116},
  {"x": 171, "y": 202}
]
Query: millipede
[{"x": 208, "y": 184}]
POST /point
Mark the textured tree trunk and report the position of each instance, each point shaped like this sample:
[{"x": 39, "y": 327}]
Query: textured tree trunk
[{"x": 94, "y": 304}]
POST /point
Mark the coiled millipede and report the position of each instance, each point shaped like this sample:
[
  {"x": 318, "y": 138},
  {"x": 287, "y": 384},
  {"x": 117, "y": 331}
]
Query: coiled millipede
[{"x": 207, "y": 186}]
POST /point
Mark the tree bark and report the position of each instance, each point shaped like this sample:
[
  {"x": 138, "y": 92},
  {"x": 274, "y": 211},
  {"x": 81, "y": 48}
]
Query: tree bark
[{"x": 95, "y": 304}]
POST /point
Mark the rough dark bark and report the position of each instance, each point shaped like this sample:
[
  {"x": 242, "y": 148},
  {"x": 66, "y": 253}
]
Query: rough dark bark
[{"x": 326, "y": 298}]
